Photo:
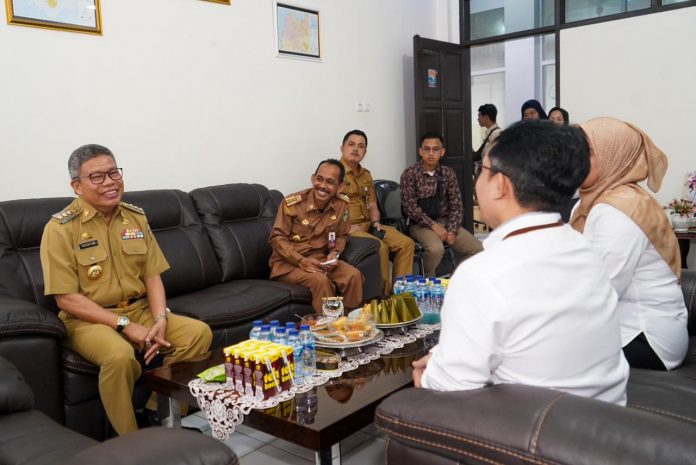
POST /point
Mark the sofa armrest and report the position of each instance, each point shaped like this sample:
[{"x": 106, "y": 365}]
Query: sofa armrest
[
  {"x": 357, "y": 248},
  {"x": 22, "y": 318},
  {"x": 522, "y": 424},
  {"x": 157, "y": 445},
  {"x": 15, "y": 395}
]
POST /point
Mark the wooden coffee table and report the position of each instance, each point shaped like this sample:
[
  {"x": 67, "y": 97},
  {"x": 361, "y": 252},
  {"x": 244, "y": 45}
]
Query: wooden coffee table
[{"x": 317, "y": 420}]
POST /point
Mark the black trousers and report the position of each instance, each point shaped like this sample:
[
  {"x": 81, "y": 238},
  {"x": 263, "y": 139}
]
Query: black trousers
[{"x": 640, "y": 355}]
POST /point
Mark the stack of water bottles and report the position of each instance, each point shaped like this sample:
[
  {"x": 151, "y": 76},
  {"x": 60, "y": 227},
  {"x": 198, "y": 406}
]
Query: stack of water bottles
[
  {"x": 429, "y": 294},
  {"x": 302, "y": 343}
]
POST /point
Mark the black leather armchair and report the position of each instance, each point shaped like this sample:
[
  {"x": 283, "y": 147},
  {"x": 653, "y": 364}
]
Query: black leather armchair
[
  {"x": 515, "y": 424},
  {"x": 29, "y": 437}
]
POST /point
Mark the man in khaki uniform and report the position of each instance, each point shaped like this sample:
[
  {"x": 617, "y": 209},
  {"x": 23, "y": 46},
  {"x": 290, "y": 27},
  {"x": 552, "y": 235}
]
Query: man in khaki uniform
[
  {"x": 364, "y": 213},
  {"x": 309, "y": 235},
  {"x": 102, "y": 263}
]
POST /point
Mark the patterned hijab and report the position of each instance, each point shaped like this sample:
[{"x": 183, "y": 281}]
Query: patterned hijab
[{"x": 625, "y": 155}]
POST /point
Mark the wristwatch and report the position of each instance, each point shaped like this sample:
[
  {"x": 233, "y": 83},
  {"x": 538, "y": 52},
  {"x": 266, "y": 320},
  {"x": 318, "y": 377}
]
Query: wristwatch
[{"x": 121, "y": 323}]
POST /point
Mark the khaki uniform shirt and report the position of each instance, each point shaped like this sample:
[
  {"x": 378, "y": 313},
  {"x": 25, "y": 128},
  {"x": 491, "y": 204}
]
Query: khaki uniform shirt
[
  {"x": 360, "y": 192},
  {"x": 301, "y": 230},
  {"x": 80, "y": 253}
]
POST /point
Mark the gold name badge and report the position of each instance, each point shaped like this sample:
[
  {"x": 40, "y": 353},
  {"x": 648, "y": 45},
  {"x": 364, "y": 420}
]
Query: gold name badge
[{"x": 94, "y": 272}]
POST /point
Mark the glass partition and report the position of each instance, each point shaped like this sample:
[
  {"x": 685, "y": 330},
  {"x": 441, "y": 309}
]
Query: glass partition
[{"x": 490, "y": 18}]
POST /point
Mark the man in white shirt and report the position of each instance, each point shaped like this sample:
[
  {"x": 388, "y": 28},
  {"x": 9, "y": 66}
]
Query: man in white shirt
[
  {"x": 535, "y": 307},
  {"x": 487, "y": 115}
]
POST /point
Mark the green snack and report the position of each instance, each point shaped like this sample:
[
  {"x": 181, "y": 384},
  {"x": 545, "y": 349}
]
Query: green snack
[
  {"x": 214, "y": 374},
  {"x": 410, "y": 302},
  {"x": 393, "y": 317},
  {"x": 403, "y": 311},
  {"x": 383, "y": 312},
  {"x": 374, "y": 308}
]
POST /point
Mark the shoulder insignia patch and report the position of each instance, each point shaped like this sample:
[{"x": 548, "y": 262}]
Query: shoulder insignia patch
[
  {"x": 132, "y": 208},
  {"x": 66, "y": 215},
  {"x": 292, "y": 200},
  {"x": 343, "y": 197}
]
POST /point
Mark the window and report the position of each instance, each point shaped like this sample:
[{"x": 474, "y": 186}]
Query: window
[
  {"x": 578, "y": 10},
  {"x": 507, "y": 74},
  {"x": 490, "y": 18}
]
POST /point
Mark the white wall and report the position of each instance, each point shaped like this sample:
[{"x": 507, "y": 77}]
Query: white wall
[
  {"x": 189, "y": 93},
  {"x": 640, "y": 70}
]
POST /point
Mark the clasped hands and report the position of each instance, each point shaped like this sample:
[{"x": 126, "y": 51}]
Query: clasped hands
[
  {"x": 444, "y": 235},
  {"x": 148, "y": 340},
  {"x": 313, "y": 265}
]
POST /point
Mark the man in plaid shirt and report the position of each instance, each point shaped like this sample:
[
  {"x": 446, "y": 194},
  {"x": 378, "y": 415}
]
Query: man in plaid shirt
[{"x": 431, "y": 200}]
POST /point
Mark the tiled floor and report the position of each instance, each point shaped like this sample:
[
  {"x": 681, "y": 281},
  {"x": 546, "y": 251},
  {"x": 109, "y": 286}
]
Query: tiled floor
[{"x": 253, "y": 447}]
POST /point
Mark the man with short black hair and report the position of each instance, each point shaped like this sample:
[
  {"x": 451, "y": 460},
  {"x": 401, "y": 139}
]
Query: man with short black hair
[
  {"x": 365, "y": 215},
  {"x": 487, "y": 115},
  {"x": 432, "y": 202},
  {"x": 535, "y": 307},
  {"x": 309, "y": 235}
]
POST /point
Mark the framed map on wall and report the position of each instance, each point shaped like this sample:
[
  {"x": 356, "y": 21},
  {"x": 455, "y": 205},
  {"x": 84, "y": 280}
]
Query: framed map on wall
[
  {"x": 297, "y": 31},
  {"x": 66, "y": 15}
]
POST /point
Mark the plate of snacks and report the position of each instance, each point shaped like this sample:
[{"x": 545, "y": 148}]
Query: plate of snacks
[
  {"x": 394, "y": 312},
  {"x": 345, "y": 332}
]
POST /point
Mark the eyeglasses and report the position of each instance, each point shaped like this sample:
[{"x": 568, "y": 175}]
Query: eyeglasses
[
  {"x": 435, "y": 150},
  {"x": 479, "y": 167},
  {"x": 100, "y": 176}
]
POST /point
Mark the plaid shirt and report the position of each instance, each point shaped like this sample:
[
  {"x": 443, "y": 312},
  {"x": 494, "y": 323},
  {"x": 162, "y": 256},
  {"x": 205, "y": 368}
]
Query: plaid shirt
[{"x": 416, "y": 184}]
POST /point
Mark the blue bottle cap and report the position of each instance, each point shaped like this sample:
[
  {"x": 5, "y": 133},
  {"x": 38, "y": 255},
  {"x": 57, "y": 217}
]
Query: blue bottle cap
[
  {"x": 266, "y": 328},
  {"x": 280, "y": 330},
  {"x": 275, "y": 323},
  {"x": 257, "y": 323},
  {"x": 304, "y": 328},
  {"x": 293, "y": 332}
]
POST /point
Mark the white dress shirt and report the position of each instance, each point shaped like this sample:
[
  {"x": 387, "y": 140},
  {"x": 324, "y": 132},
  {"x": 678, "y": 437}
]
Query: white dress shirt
[
  {"x": 533, "y": 309},
  {"x": 650, "y": 299}
]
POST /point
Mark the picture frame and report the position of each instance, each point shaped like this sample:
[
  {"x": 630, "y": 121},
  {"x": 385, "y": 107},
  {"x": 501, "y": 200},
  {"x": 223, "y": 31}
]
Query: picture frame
[
  {"x": 297, "y": 33},
  {"x": 222, "y": 2},
  {"x": 64, "y": 15}
]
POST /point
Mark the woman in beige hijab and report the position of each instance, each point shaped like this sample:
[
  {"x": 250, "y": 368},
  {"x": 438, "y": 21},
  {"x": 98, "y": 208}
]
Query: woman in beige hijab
[{"x": 632, "y": 233}]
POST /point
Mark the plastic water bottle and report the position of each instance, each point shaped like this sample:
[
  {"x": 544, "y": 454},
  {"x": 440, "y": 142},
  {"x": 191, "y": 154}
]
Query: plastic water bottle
[
  {"x": 280, "y": 336},
  {"x": 294, "y": 342},
  {"x": 398, "y": 285},
  {"x": 255, "y": 332},
  {"x": 274, "y": 327},
  {"x": 410, "y": 285},
  {"x": 265, "y": 334},
  {"x": 288, "y": 326},
  {"x": 422, "y": 297},
  {"x": 309, "y": 356},
  {"x": 437, "y": 296}
]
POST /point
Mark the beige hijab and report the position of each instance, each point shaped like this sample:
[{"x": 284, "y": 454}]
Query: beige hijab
[{"x": 624, "y": 156}]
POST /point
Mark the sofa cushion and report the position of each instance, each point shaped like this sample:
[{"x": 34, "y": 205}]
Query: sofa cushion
[
  {"x": 20, "y": 236},
  {"x": 182, "y": 238},
  {"x": 239, "y": 219},
  {"x": 15, "y": 394},
  {"x": 33, "y": 438},
  {"x": 231, "y": 303}
]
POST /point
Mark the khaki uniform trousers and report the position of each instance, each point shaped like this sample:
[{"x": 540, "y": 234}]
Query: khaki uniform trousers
[
  {"x": 348, "y": 279},
  {"x": 434, "y": 249},
  {"x": 403, "y": 248},
  {"x": 115, "y": 355}
]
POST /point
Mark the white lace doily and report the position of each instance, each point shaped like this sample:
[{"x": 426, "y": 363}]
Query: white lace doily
[{"x": 225, "y": 408}]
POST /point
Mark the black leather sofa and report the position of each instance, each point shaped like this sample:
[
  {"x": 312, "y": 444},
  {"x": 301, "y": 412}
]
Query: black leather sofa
[
  {"x": 29, "y": 437},
  {"x": 216, "y": 241},
  {"x": 514, "y": 424}
]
